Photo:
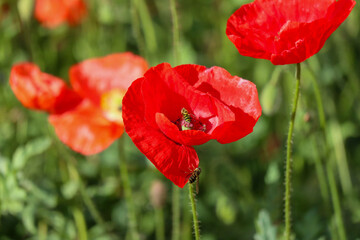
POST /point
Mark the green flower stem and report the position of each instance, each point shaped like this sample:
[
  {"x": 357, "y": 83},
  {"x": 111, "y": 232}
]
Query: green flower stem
[
  {"x": 288, "y": 156},
  {"x": 336, "y": 201},
  {"x": 80, "y": 223},
  {"x": 176, "y": 190},
  {"x": 160, "y": 230},
  {"x": 74, "y": 174},
  {"x": 128, "y": 193},
  {"x": 320, "y": 172},
  {"x": 175, "y": 32},
  {"x": 91, "y": 206},
  {"x": 193, "y": 208},
  {"x": 175, "y": 213},
  {"x": 330, "y": 171},
  {"x": 23, "y": 30},
  {"x": 147, "y": 27},
  {"x": 42, "y": 230},
  {"x": 135, "y": 24}
]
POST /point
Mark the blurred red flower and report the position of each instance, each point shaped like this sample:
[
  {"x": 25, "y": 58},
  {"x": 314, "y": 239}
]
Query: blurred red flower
[
  {"x": 88, "y": 117},
  {"x": 285, "y": 32},
  {"x": 52, "y": 13},
  {"x": 169, "y": 110}
]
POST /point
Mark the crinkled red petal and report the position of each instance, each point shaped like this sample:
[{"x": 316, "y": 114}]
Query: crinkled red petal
[
  {"x": 187, "y": 137},
  {"x": 85, "y": 129},
  {"x": 41, "y": 91},
  {"x": 174, "y": 160},
  {"x": 239, "y": 96},
  {"x": 166, "y": 91},
  {"x": 285, "y": 32},
  {"x": 93, "y": 77}
]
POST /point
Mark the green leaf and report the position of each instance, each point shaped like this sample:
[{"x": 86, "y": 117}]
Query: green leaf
[
  {"x": 264, "y": 229},
  {"x": 69, "y": 189},
  {"x": 32, "y": 148},
  {"x": 28, "y": 218},
  {"x": 225, "y": 210}
]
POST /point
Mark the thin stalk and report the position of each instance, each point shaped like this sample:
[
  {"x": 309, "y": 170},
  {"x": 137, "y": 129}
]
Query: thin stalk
[
  {"x": 336, "y": 201},
  {"x": 135, "y": 24},
  {"x": 176, "y": 190},
  {"x": 74, "y": 174},
  {"x": 321, "y": 173},
  {"x": 175, "y": 213},
  {"x": 128, "y": 193},
  {"x": 288, "y": 155},
  {"x": 147, "y": 27},
  {"x": 91, "y": 206},
  {"x": 193, "y": 209},
  {"x": 70, "y": 162},
  {"x": 42, "y": 230},
  {"x": 160, "y": 230},
  {"x": 24, "y": 32},
  {"x": 330, "y": 174},
  {"x": 80, "y": 223},
  {"x": 175, "y": 31}
]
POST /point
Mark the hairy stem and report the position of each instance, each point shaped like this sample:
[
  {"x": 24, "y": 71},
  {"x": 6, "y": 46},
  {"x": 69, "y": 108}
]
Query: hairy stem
[
  {"x": 288, "y": 156},
  {"x": 193, "y": 209}
]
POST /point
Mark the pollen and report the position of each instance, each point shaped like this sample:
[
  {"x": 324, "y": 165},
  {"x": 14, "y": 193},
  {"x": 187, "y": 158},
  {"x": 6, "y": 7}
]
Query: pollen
[{"x": 188, "y": 121}]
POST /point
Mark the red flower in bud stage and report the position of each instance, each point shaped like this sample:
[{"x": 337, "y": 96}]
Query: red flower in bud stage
[
  {"x": 52, "y": 13},
  {"x": 88, "y": 117},
  {"x": 285, "y": 32},
  {"x": 169, "y": 110}
]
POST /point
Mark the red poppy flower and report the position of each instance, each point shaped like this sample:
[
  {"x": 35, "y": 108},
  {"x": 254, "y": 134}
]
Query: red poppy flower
[
  {"x": 169, "y": 110},
  {"x": 88, "y": 117},
  {"x": 52, "y": 13},
  {"x": 285, "y": 32}
]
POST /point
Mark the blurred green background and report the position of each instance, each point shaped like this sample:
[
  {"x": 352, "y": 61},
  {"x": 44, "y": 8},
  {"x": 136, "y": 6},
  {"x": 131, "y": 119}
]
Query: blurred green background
[{"x": 49, "y": 192}]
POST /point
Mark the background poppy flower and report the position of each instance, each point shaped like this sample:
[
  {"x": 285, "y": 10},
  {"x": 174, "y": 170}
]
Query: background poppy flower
[
  {"x": 285, "y": 32},
  {"x": 219, "y": 106},
  {"x": 88, "y": 117},
  {"x": 52, "y": 13}
]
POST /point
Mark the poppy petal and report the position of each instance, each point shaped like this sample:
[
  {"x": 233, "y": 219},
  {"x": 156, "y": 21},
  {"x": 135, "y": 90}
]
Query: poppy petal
[
  {"x": 85, "y": 129},
  {"x": 237, "y": 94},
  {"x": 41, "y": 91},
  {"x": 285, "y": 32},
  {"x": 52, "y": 13},
  {"x": 76, "y": 10},
  {"x": 91, "y": 78},
  {"x": 173, "y": 160},
  {"x": 166, "y": 91},
  {"x": 187, "y": 137}
]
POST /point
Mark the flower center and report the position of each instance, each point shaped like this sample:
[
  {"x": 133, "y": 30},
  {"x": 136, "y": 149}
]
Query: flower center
[
  {"x": 111, "y": 104},
  {"x": 188, "y": 121}
]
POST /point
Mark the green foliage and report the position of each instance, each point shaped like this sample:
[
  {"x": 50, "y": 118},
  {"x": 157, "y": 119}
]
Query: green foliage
[
  {"x": 47, "y": 191},
  {"x": 265, "y": 229}
]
